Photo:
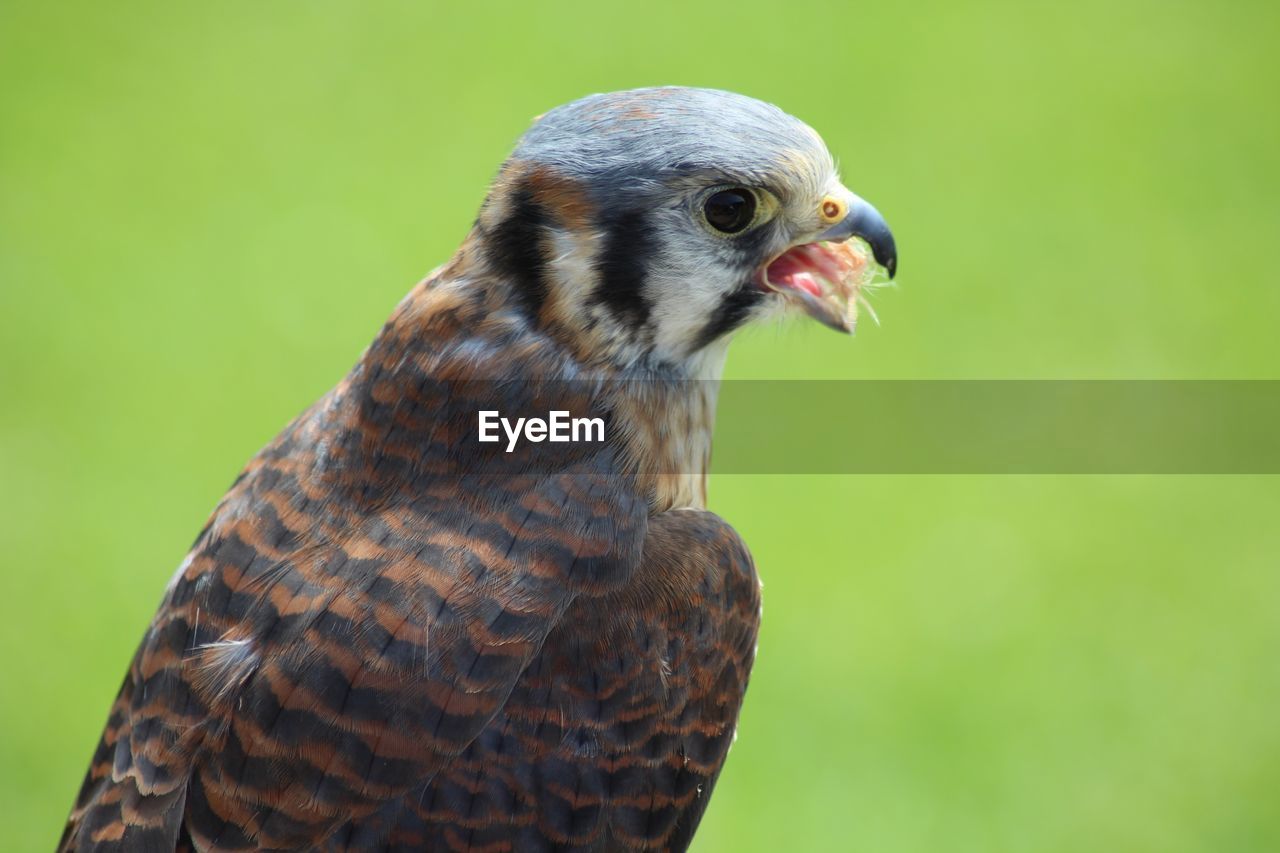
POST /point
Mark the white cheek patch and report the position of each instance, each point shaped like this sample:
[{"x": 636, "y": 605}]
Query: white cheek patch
[
  {"x": 687, "y": 282},
  {"x": 572, "y": 262},
  {"x": 684, "y": 301}
]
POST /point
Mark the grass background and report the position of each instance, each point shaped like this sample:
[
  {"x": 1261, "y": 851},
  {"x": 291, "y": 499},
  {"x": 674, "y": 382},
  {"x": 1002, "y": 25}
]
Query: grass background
[{"x": 207, "y": 210}]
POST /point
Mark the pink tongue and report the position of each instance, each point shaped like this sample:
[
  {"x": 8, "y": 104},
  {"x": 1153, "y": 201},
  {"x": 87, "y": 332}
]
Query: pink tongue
[
  {"x": 805, "y": 281},
  {"x": 794, "y": 269},
  {"x": 822, "y": 278}
]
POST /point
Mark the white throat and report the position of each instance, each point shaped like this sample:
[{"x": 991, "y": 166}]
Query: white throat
[{"x": 669, "y": 427}]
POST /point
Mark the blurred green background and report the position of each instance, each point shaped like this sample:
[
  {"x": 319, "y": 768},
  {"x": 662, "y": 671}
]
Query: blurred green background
[{"x": 207, "y": 210}]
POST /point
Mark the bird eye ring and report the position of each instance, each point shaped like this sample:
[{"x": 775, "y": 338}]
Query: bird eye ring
[{"x": 730, "y": 210}]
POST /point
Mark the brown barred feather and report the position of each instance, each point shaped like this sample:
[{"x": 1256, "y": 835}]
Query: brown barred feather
[{"x": 377, "y": 644}]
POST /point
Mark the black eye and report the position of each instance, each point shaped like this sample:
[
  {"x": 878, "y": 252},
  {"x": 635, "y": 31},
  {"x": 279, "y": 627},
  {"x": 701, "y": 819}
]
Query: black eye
[{"x": 730, "y": 210}]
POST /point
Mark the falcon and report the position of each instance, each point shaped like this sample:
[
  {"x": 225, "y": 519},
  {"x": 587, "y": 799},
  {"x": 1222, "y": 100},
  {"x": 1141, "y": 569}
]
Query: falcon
[{"x": 390, "y": 635}]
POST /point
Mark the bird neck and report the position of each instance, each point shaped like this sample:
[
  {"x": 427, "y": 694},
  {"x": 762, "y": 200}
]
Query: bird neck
[
  {"x": 668, "y": 423},
  {"x": 664, "y": 409},
  {"x": 461, "y": 322}
]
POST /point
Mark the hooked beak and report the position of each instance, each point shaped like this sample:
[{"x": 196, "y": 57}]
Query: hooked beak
[
  {"x": 825, "y": 277},
  {"x": 865, "y": 221}
]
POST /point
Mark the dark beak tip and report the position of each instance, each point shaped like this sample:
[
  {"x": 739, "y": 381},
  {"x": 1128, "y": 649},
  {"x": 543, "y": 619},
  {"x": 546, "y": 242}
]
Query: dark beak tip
[{"x": 866, "y": 222}]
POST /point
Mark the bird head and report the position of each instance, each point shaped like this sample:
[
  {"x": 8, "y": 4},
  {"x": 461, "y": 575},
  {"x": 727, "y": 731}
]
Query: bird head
[{"x": 649, "y": 225}]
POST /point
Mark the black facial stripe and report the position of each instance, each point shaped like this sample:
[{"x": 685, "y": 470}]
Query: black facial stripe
[
  {"x": 729, "y": 315},
  {"x": 629, "y": 243},
  {"x": 515, "y": 249},
  {"x": 751, "y": 244}
]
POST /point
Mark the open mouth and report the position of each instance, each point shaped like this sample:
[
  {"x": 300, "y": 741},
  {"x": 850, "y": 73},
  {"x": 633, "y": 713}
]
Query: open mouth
[{"x": 826, "y": 280}]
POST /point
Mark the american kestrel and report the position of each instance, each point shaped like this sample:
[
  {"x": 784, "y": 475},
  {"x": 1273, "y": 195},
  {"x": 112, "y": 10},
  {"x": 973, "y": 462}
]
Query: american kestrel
[{"x": 392, "y": 635}]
